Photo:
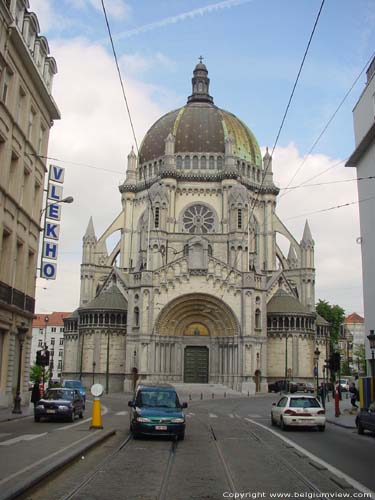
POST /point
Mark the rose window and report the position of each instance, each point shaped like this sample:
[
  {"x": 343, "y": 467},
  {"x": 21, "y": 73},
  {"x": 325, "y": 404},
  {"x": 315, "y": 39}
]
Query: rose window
[{"x": 198, "y": 219}]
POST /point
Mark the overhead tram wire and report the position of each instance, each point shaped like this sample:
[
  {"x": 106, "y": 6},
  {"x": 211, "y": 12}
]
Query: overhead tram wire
[
  {"x": 329, "y": 122},
  {"x": 131, "y": 121},
  {"x": 252, "y": 208}
]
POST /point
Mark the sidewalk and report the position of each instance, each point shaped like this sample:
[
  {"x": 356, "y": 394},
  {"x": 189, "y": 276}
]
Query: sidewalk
[
  {"x": 6, "y": 413},
  {"x": 347, "y": 415}
]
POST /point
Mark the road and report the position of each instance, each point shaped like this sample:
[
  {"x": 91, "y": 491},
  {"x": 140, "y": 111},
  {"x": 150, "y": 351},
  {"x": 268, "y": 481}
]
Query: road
[{"x": 229, "y": 447}]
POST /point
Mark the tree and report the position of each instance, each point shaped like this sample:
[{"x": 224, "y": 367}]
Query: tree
[
  {"x": 359, "y": 359},
  {"x": 335, "y": 315},
  {"x": 36, "y": 373}
]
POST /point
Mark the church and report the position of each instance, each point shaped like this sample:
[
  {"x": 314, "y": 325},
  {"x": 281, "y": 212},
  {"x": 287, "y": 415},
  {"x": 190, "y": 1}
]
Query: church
[{"x": 197, "y": 288}]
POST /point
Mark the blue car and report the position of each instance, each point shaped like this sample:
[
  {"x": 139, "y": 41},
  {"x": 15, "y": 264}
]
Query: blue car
[
  {"x": 76, "y": 384},
  {"x": 157, "y": 411}
]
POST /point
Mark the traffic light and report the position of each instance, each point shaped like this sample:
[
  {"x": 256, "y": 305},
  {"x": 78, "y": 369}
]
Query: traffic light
[
  {"x": 335, "y": 361},
  {"x": 328, "y": 363},
  {"x": 39, "y": 361}
]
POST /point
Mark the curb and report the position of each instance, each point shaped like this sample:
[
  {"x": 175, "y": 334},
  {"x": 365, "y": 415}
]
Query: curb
[
  {"x": 341, "y": 425},
  {"x": 11, "y": 419},
  {"x": 25, "y": 485}
]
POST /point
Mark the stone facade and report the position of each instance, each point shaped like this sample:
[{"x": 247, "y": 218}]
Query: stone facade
[
  {"x": 197, "y": 261},
  {"x": 27, "y": 111}
]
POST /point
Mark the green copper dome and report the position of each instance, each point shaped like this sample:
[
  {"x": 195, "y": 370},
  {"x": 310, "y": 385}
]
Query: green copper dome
[{"x": 200, "y": 127}]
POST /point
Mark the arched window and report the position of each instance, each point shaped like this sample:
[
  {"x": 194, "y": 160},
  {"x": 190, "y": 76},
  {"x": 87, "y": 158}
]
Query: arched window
[
  {"x": 203, "y": 163},
  {"x": 198, "y": 219},
  {"x": 150, "y": 170},
  {"x": 179, "y": 162},
  {"x": 257, "y": 318},
  {"x": 212, "y": 163},
  {"x": 195, "y": 162},
  {"x": 136, "y": 316},
  {"x": 254, "y": 173},
  {"x": 157, "y": 217},
  {"x": 187, "y": 162},
  {"x": 248, "y": 171},
  {"x": 243, "y": 169},
  {"x": 219, "y": 163},
  {"x": 155, "y": 168},
  {"x": 239, "y": 218}
]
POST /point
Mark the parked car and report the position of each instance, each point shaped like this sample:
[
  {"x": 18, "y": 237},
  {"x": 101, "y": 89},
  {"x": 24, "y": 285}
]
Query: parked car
[
  {"x": 309, "y": 387},
  {"x": 59, "y": 403},
  {"x": 283, "y": 385},
  {"x": 157, "y": 411},
  {"x": 75, "y": 384},
  {"x": 299, "y": 411},
  {"x": 365, "y": 420},
  {"x": 344, "y": 383}
]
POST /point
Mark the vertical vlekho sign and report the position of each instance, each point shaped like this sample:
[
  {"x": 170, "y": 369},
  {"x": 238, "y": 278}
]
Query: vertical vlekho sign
[{"x": 51, "y": 231}]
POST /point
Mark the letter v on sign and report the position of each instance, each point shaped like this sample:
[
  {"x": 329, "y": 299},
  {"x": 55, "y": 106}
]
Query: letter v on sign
[{"x": 56, "y": 174}]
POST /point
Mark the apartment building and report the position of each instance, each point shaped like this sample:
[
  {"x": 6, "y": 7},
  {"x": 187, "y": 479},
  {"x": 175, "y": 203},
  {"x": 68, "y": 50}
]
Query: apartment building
[{"x": 27, "y": 112}]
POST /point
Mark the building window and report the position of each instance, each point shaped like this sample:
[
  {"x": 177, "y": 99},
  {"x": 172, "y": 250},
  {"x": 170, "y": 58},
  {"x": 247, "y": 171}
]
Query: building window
[
  {"x": 41, "y": 331},
  {"x": 53, "y": 329},
  {"x": 40, "y": 343},
  {"x": 212, "y": 163},
  {"x": 195, "y": 162},
  {"x": 60, "y": 353},
  {"x": 257, "y": 319},
  {"x": 52, "y": 353},
  {"x": 198, "y": 219},
  {"x": 157, "y": 217},
  {"x": 203, "y": 163},
  {"x": 59, "y": 366},
  {"x": 219, "y": 163},
  {"x": 179, "y": 162},
  {"x": 32, "y": 115},
  {"x": 239, "y": 218},
  {"x": 61, "y": 341},
  {"x": 187, "y": 162},
  {"x": 62, "y": 329},
  {"x": 53, "y": 341},
  {"x": 6, "y": 84},
  {"x": 136, "y": 316}
]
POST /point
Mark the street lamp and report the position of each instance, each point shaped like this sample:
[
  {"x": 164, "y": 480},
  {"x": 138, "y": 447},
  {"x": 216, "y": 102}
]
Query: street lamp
[
  {"x": 67, "y": 199},
  {"x": 371, "y": 339},
  {"x": 22, "y": 330},
  {"x": 316, "y": 360}
]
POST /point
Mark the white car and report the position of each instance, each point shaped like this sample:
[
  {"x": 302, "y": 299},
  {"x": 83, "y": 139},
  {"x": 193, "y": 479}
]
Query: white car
[{"x": 298, "y": 410}]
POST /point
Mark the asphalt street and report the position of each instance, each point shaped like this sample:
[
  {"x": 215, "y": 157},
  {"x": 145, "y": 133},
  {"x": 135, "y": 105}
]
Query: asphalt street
[{"x": 229, "y": 446}]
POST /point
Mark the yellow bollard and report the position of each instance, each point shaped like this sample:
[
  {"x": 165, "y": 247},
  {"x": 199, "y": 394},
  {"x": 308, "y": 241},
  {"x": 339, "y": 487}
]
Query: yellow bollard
[{"x": 96, "y": 417}]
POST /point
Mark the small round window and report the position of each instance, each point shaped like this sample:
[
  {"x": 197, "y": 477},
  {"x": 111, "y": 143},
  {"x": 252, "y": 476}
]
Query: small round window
[{"x": 198, "y": 219}]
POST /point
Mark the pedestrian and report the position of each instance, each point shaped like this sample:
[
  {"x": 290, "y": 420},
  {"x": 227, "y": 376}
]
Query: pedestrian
[
  {"x": 35, "y": 393},
  {"x": 354, "y": 395}
]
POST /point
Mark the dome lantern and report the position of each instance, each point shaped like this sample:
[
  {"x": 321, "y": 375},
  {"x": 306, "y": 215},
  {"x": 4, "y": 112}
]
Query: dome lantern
[{"x": 201, "y": 84}]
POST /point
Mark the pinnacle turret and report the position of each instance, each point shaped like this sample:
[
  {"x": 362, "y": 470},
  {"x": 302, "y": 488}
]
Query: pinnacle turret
[
  {"x": 90, "y": 231},
  {"x": 307, "y": 237}
]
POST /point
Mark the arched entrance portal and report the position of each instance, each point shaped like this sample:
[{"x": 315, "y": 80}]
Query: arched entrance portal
[
  {"x": 196, "y": 365},
  {"x": 206, "y": 334}
]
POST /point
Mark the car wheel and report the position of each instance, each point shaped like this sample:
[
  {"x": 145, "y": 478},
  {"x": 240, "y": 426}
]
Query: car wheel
[
  {"x": 36, "y": 419},
  {"x": 360, "y": 429},
  {"x": 282, "y": 425},
  {"x": 72, "y": 416},
  {"x": 321, "y": 428},
  {"x": 273, "y": 421}
]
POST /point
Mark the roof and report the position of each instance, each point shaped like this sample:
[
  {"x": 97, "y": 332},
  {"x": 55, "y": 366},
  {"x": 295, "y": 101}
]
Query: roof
[
  {"x": 321, "y": 321},
  {"x": 54, "y": 319},
  {"x": 200, "y": 127},
  {"x": 74, "y": 315},
  {"x": 110, "y": 299},
  {"x": 354, "y": 318},
  {"x": 282, "y": 302}
]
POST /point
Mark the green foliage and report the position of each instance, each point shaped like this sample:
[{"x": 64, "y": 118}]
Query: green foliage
[
  {"x": 36, "y": 373},
  {"x": 335, "y": 315},
  {"x": 359, "y": 358}
]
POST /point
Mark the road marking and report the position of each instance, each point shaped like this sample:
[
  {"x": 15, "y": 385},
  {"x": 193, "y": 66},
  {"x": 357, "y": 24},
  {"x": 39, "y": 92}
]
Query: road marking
[
  {"x": 48, "y": 457},
  {"x": 255, "y": 416},
  {"x": 212, "y": 415},
  {"x": 69, "y": 426},
  {"x": 24, "y": 437},
  {"x": 121, "y": 413},
  {"x": 360, "y": 487}
]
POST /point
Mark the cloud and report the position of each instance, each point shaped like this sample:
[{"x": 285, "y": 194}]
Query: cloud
[
  {"x": 201, "y": 11},
  {"x": 94, "y": 130},
  {"x": 337, "y": 254},
  {"x": 136, "y": 63}
]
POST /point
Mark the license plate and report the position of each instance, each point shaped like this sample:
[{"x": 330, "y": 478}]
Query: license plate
[
  {"x": 161, "y": 427},
  {"x": 50, "y": 411}
]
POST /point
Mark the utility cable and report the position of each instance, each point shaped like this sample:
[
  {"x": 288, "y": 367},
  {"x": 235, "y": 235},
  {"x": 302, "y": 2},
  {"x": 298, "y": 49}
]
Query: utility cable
[
  {"x": 255, "y": 199},
  {"x": 329, "y": 122}
]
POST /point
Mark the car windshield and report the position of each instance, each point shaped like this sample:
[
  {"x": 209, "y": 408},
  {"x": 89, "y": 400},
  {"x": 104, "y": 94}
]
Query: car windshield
[
  {"x": 73, "y": 384},
  {"x": 59, "y": 394},
  {"x": 162, "y": 399},
  {"x": 304, "y": 403}
]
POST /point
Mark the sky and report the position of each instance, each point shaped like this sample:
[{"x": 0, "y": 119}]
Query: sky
[{"x": 253, "y": 50}]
